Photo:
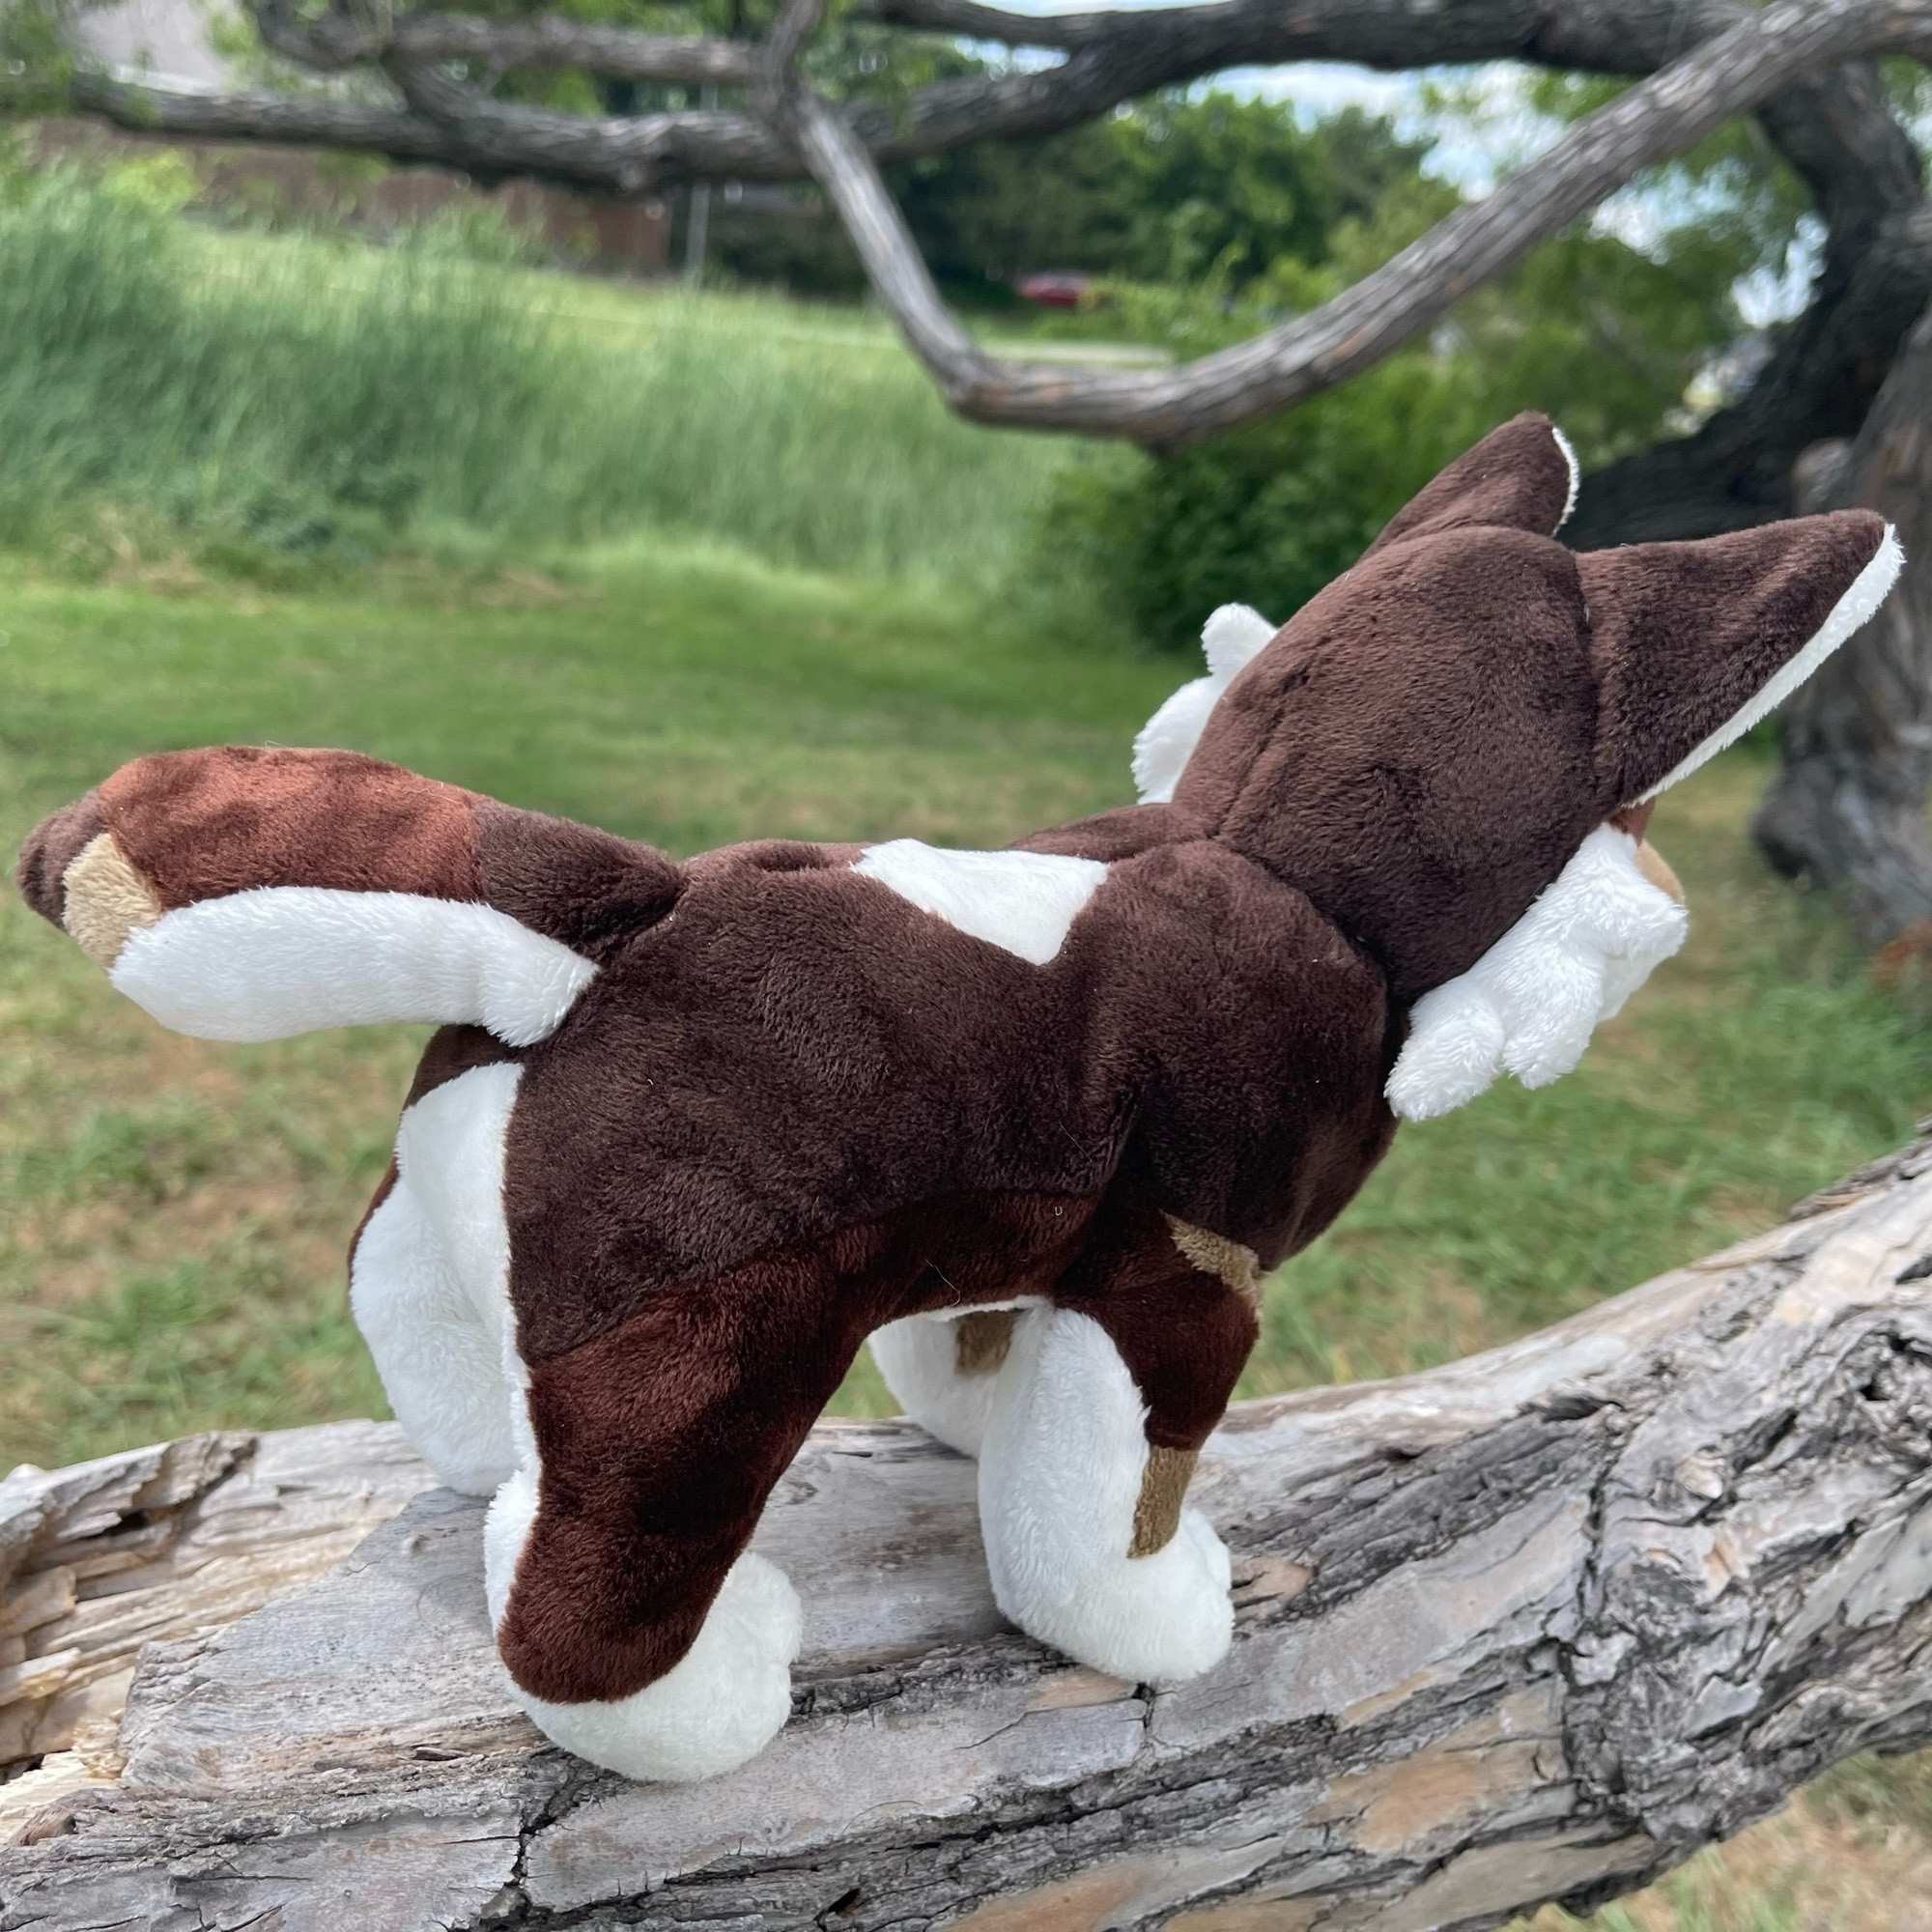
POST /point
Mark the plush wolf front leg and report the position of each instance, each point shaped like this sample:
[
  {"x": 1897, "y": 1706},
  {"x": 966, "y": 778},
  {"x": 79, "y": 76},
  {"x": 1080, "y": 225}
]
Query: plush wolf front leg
[{"x": 1097, "y": 1417}]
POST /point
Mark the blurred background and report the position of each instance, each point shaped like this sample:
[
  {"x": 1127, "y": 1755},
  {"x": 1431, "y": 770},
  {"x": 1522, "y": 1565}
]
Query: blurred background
[{"x": 633, "y": 508}]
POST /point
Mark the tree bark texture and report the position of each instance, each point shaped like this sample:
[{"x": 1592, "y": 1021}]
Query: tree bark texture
[
  {"x": 1532, "y": 1625},
  {"x": 1847, "y": 808}
]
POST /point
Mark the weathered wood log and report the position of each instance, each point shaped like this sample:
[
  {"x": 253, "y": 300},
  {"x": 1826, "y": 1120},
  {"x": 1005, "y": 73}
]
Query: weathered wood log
[{"x": 1532, "y": 1625}]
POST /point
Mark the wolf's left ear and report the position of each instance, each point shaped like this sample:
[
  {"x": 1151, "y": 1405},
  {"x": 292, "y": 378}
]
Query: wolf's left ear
[
  {"x": 1522, "y": 477},
  {"x": 1694, "y": 642}
]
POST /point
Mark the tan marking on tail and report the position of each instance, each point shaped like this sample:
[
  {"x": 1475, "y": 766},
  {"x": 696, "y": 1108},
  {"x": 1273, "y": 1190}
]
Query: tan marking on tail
[
  {"x": 1163, "y": 1483},
  {"x": 1231, "y": 1261},
  {"x": 1655, "y": 867},
  {"x": 105, "y": 898},
  {"x": 981, "y": 1341}
]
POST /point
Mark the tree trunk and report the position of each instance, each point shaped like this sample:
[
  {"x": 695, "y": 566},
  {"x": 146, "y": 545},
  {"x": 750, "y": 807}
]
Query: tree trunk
[
  {"x": 1847, "y": 808},
  {"x": 1532, "y": 1625}
]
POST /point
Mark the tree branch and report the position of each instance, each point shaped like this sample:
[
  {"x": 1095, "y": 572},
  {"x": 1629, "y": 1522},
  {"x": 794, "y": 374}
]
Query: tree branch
[
  {"x": 1535, "y": 1625},
  {"x": 1171, "y": 410}
]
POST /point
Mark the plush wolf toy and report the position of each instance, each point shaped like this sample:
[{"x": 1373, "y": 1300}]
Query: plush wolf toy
[{"x": 1036, "y": 1121}]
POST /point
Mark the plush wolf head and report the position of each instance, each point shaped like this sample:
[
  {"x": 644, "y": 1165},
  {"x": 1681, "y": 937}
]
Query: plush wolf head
[{"x": 1450, "y": 749}]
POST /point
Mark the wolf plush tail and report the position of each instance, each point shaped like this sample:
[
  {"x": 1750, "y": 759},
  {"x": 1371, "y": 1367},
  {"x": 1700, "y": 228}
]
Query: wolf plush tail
[{"x": 241, "y": 894}]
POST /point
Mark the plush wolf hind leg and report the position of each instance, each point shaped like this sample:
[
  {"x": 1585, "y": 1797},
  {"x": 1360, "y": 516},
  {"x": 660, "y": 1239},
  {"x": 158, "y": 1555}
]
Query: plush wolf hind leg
[
  {"x": 943, "y": 1370},
  {"x": 1095, "y": 1421},
  {"x": 638, "y": 1630},
  {"x": 428, "y": 1279}
]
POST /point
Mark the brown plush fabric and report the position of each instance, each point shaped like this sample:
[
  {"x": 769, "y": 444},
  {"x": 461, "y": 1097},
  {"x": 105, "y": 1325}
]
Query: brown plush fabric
[
  {"x": 1684, "y": 635},
  {"x": 201, "y": 824},
  {"x": 53, "y": 845},
  {"x": 586, "y": 889},
  {"x": 1515, "y": 478},
  {"x": 799, "y": 1050},
  {"x": 1163, "y": 1489}
]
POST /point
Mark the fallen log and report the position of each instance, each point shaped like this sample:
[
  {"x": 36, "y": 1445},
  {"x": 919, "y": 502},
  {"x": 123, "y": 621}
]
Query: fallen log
[{"x": 1533, "y": 1626}]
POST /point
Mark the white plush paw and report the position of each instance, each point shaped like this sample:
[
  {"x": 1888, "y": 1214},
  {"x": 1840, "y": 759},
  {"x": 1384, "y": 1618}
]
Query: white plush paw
[
  {"x": 726, "y": 1698},
  {"x": 1161, "y": 1619}
]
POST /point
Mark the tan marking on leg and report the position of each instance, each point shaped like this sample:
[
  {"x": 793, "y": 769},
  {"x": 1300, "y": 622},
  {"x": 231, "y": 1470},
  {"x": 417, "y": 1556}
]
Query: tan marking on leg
[
  {"x": 1655, "y": 867},
  {"x": 105, "y": 900},
  {"x": 1231, "y": 1261},
  {"x": 1163, "y": 1483},
  {"x": 979, "y": 1342}
]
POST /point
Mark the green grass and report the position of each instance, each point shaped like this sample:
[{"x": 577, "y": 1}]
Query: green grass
[
  {"x": 175, "y": 1212},
  {"x": 272, "y": 403}
]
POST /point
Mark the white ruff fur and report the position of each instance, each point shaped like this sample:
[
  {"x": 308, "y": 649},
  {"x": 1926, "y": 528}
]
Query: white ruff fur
[
  {"x": 285, "y": 959},
  {"x": 1530, "y": 1003},
  {"x": 1059, "y": 1475},
  {"x": 1024, "y": 902},
  {"x": 918, "y": 1359},
  {"x": 1869, "y": 589},
  {"x": 1231, "y": 638}
]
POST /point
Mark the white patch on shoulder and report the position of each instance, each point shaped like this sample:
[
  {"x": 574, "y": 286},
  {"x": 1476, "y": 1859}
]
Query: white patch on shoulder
[
  {"x": 1851, "y": 612},
  {"x": 1024, "y": 902},
  {"x": 285, "y": 959},
  {"x": 1529, "y": 1005},
  {"x": 1231, "y": 638}
]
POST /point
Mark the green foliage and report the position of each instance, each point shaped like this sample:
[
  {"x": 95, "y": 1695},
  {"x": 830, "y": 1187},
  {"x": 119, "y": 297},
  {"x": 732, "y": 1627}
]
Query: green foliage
[
  {"x": 1601, "y": 334},
  {"x": 1176, "y": 188},
  {"x": 295, "y": 399}
]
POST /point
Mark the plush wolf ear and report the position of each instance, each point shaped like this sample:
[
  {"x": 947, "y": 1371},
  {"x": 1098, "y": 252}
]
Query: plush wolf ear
[
  {"x": 1694, "y": 642},
  {"x": 1229, "y": 638},
  {"x": 1523, "y": 476}
]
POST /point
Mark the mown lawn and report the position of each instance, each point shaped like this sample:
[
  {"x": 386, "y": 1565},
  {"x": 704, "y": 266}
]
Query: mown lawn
[{"x": 172, "y": 1214}]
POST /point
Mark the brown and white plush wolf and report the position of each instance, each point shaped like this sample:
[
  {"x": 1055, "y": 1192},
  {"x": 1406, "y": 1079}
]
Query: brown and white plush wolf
[{"x": 1036, "y": 1121}]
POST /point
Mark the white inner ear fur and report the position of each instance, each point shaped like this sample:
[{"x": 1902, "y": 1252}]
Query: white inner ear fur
[
  {"x": 1023, "y": 902},
  {"x": 1855, "y": 608},
  {"x": 1229, "y": 638},
  {"x": 1529, "y": 1005},
  {"x": 1575, "y": 475}
]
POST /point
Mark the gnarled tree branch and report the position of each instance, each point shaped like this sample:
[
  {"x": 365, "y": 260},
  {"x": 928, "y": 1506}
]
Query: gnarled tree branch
[
  {"x": 1536, "y": 1624},
  {"x": 1172, "y": 409}
]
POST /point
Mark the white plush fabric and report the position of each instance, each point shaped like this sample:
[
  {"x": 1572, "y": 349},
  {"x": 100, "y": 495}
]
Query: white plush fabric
[
  {"x": 1575, "y": 475},
  {"x": 430, "y": 1280},
  {"x": 1530, "y": 1003},
  {"x": 1856, "y": 606},
  {"x": 442, "y": 1366},
  {"x": 1230, "y": 638},
  {"x": 449, "y": 1154},
  {"x": 1024, "y": 902},
  {"x": 285, "y": 959},
  {"x": 1059, "y": 1475},
  {"x": 918, "y": 1359}
]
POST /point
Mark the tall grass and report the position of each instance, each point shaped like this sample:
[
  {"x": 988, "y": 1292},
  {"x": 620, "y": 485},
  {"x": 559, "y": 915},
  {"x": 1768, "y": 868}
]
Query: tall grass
[{"x": 288, "y": 397}]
